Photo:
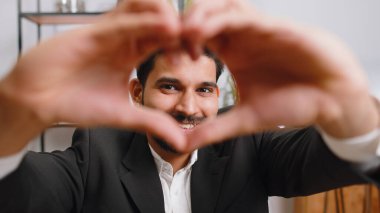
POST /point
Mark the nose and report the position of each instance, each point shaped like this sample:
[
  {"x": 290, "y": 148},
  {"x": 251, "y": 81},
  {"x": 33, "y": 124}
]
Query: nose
[{"x": 188, "y": 104}]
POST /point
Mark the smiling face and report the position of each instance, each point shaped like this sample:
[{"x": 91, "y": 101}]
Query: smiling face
[{"x": 181, "y": 87}]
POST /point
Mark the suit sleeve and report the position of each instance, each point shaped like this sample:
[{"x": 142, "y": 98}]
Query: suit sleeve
[
  {"x": 48, "y": 182},
  {"x": 298, "y": 163}
]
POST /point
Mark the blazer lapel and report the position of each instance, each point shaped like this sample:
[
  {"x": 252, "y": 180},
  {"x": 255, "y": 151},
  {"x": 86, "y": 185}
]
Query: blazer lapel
[
  {"x": 140, "y": 178},
  {"x": 206, "y": 180}
]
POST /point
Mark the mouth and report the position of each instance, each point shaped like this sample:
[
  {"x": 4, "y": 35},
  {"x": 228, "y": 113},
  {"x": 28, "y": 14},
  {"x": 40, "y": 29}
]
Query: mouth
[
  {"x": 187, "y": 127},
  {"x": 188, "y": 123}
]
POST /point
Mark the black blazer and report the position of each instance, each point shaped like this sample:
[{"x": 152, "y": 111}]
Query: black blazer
[{"x": 109, "y": 170}]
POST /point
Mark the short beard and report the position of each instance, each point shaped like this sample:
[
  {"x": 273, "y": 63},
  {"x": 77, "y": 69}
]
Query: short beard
[
  {"x": 165, "y": 146},
  {"x": 181, "y": 118}
]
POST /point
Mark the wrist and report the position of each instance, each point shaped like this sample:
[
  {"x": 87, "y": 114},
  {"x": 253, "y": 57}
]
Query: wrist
[
  {"x": 356, "y": 118},
  {"x": 19, "y": 123}
]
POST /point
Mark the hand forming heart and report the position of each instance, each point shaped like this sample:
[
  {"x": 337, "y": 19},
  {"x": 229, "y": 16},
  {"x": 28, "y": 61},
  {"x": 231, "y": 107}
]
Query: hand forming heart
[{"x": 286, "y": 74}]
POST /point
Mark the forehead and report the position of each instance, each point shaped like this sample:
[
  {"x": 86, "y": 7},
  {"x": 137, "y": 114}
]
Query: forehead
[{"x": 183, "y": 68}]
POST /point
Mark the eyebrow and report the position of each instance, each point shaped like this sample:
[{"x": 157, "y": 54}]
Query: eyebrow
[
  {"x": 176, "y": 81},
  {"x": 209, "y": 84},
  {"x": 167, "y": 80}
]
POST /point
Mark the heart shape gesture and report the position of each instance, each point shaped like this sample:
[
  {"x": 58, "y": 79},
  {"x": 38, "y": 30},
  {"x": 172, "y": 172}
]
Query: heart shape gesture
[{"x": 286, "y": 74}]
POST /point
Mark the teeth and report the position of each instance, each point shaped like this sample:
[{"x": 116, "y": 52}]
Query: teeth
[{"x": 187, "y": 126}]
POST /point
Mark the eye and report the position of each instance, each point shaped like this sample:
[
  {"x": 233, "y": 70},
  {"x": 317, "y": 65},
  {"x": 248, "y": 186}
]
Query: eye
[
  {"x": 206, "y": 90},
  {"x": 168, "y": 88}
]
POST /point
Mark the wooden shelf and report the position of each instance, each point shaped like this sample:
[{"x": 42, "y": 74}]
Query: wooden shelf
[
  {"x": 62, "y": 18},
  {"x": 63, "y": 125}
]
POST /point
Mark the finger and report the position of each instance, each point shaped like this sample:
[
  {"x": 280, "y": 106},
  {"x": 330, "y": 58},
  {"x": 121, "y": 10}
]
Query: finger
[
  {"x": 194, "y": 49},
  {"x": 121, "y": 114},
  {"x": 147, "y": 46},
  {"x": 139, "y": 24},
  {"x": 158, "y": 7},
  {"x": 142, "y": 26},
  {"x": 236, "y": 17},
  {"x": 196, "y": 14},
  {"x": 211, "y": 34},
  {"x": 150, "y": 121},
  {"x": 138, "y": 6},
  {"x": 238, "y": 121},
  {"x": 209, "y": 20},
  {"x": 131, "y": 32},
  {"x": 272, "y": 110},
  {"x": 193, "y": 20}
]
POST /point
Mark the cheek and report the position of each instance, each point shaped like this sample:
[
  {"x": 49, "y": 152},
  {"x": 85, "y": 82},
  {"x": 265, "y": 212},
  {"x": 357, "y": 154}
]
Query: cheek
[
  {"x": 159, "y": 101},
  {"x": 210, "y": 107}
]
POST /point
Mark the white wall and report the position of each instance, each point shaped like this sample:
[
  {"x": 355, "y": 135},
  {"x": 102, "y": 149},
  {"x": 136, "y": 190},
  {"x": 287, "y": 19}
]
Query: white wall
[
  {"x": 8, "y": 35},
  {"x": 356, "y": 22}
]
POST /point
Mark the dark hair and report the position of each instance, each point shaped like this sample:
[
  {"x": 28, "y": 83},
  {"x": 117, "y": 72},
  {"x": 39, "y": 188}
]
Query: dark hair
[{"x": 147, "y": 66}]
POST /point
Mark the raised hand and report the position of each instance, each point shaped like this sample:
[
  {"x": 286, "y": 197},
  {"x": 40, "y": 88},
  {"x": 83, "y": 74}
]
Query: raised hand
[
  {"x": 82, "y": 76},
  {"x": 286, "y": 74}
]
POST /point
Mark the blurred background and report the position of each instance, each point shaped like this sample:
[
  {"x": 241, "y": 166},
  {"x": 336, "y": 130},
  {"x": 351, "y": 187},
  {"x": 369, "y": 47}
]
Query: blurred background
[{"x": 356, "y": 22}]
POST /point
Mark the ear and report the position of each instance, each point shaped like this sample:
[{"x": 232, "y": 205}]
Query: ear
[{"x": 136, "y": 91}]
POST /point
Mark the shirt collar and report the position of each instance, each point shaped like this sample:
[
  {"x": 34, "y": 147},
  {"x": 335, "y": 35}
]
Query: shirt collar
[{"x": 161, "y": 164}]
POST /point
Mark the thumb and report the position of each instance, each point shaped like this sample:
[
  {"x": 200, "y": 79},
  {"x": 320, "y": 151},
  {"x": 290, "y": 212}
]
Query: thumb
[
  {"x": 238, "y": 121},
  {"x": 154, "y": 122}
]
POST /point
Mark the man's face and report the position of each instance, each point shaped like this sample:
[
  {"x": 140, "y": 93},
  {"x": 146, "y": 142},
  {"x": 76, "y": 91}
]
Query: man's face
[{"x": 183, "y": 88}]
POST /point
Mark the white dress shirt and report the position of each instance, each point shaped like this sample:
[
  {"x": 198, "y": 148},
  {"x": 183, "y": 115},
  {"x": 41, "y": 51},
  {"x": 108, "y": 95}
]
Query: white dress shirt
[
  {"x": 360, "y": 149},
  {"x": 176, "y": 187}
]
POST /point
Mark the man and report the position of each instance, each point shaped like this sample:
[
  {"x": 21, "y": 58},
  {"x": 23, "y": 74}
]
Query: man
[{"x": 116, "y": 170}]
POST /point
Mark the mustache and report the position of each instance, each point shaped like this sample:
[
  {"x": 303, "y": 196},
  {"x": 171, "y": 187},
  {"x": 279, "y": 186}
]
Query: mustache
[
  {"x": 180, "y": 118},
  {"x": 185, "y": 119}
]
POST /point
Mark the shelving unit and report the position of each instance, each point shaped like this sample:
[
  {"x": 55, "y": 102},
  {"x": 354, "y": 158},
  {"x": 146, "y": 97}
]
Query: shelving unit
[
  {"x": 61, "y": 18},
  {"x": 41, "y": 18},
  {"x": 50, "y": 18}
]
